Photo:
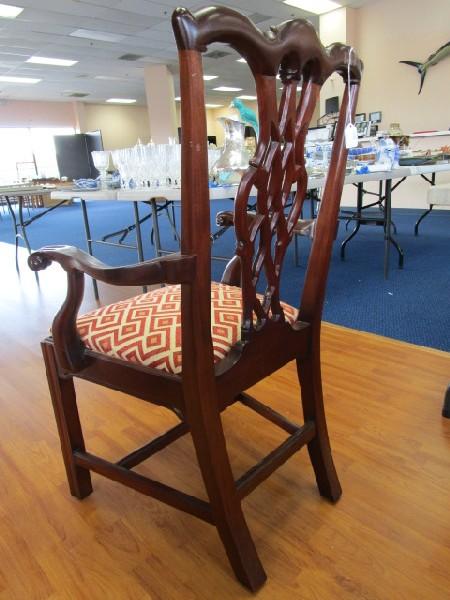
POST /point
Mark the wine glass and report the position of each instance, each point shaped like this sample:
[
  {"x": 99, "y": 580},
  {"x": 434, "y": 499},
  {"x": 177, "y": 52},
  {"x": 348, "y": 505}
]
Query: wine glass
[{"x": 100, "y": 158}]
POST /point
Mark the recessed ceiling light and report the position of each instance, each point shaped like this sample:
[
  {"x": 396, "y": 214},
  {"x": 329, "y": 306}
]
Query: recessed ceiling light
[
  {"x": 131, "y": 57},
  {"x": 225, "y": 88},
  {"x": 177, "y": 99},
  {"x": 209, "y": 77},
  {"x": 9, "y": 12},
  {"x": 242, "y": 60},
  {"x": 70, "y": 94},
  {"x": 216, "y": 54},
  {"x": 318, "y": 7},
  {"x": 101, "y": 36},
  {"x": 8, "y": 79},
  {"x": 244, "y": 97},
  {"x": 57, "y": 62},
  {"x": 121, "y": 100},
  {"x": 213, "y": 105}
]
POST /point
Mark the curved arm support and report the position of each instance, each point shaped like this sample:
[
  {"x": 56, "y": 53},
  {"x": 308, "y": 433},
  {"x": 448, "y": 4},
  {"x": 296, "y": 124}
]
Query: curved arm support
[
  {"x": 174, "y": 268},
  {"x": 69, "y": 348}
]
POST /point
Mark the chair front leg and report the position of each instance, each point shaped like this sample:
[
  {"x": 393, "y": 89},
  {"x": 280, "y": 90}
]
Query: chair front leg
[
  {"x": 63, "y": 396},
  {"x": 309, "y": 374},
  {"x": 209, "y": 441}
]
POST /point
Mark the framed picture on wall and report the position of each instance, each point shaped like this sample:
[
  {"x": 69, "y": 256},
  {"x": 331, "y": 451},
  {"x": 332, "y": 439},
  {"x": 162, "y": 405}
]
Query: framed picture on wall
[
  {"x": 360, "y": 117},
  {"x": 375, "y": 117},
  {"x": 363, "y": 128}
]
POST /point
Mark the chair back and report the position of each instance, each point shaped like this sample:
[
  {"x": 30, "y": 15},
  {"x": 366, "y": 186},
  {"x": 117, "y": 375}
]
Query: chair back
[{"x": 293, "y": 52}]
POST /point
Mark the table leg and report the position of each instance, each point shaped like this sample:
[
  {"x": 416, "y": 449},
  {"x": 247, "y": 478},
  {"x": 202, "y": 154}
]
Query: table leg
[
  {"x": 313, "y": 196},
  {"x": 174, "y": 224},
  {"x": 23, "y": 226},
  {"x": 431, "y": 181},
  {"x": 446, "y": 407},
  {"x": 359, "y": 201},
  {"x": 387, "y": 226},
  {"x": 156, "y": 227},
  {"x": 171, "y": 219},
  {"x": 87, "y": 230},
  {"x": 16, "y": 231},
  {"x": 139, "y": 247},
  {"x": 388, "y": 239},
  {"x": 421, "y": 218}
]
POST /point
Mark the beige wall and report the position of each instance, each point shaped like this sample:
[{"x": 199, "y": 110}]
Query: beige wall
[
  {"x": 161, "y": 111},
  {"x": 22, "y": 113},
  {"x": 405, "y": 30},
  {"x": 121, "y": 126},
  {"x": 388, "y": 32}
]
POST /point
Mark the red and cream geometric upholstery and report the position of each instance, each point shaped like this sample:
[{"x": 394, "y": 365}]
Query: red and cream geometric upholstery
[{"x": 147, "y": 329}]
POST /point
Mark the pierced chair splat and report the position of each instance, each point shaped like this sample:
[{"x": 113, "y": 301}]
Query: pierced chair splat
[{"x": 236, "y": 332}]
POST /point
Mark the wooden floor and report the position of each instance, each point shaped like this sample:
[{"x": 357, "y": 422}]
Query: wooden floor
[{"x": 387, "y": 538}]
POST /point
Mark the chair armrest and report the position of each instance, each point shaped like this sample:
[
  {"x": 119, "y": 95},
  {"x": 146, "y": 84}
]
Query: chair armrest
[
  {"x": 173, "y": 268},
  {"x": 69, "y": 349}
]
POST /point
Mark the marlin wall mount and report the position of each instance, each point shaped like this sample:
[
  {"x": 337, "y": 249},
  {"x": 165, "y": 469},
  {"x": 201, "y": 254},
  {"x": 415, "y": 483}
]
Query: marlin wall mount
[{"x": 432, "y": 60}]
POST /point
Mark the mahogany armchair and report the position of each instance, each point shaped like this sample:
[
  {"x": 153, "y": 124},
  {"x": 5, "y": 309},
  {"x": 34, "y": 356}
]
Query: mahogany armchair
[{"x": 252, "y": 335}]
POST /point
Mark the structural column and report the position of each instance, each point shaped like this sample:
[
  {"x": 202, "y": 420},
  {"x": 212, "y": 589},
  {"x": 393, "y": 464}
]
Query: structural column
[
  {"x": 160, "y": 94},
  {"x": 79, "y": 116},
  {"x": 336, "y": 26}
]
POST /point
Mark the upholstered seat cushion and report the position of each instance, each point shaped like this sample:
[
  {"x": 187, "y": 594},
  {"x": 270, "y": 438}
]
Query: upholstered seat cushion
[{"x": 147, "y": 328}]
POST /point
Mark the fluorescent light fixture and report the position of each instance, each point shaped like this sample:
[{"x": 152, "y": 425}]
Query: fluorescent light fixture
[
  {"x": 109, "y": 78},
  {"x": 213, "y": 105},
  {"x": 209, "y": 77},
  {"x": 121, "y": 100},
  {"x": 244, "y": 97},
  {"x": 242, "y": 60},
  {"x": 178, "y": 99},
  {"x": 8, "y": 79},
  {"x": 225, "y": 88},
  {"x": 57, "y": 62},
  {"x": 9, "y": 12},
  {"x": 318, "y": 7},
  {"x": 101, "y": 36},
  {"x": 299, "y": 88}
]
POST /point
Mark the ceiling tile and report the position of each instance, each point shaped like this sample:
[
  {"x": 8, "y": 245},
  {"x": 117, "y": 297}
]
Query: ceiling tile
[{"x": 44, "y": 27}]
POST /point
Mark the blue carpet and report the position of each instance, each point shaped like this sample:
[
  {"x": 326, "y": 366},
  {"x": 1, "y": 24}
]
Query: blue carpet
[{"x": 413, "y": 305}]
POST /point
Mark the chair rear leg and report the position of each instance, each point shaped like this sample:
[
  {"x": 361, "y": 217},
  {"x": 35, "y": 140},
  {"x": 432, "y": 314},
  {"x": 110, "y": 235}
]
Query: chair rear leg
[
  {"x": 63, "y": 396},
  {"x": 319, "y": 449},
  {"x": 446, "y": 407},
  {"x": 209, "y": 442}
]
